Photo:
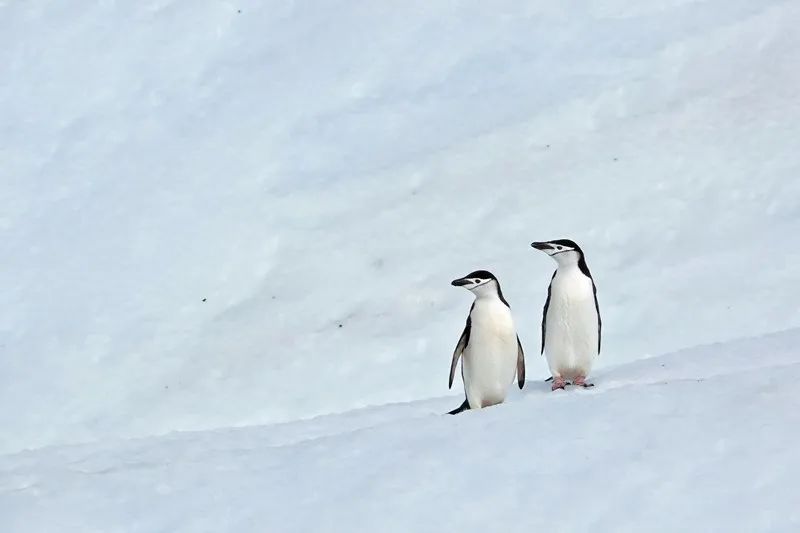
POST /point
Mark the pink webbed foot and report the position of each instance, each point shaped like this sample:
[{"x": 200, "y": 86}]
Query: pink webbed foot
[
  {"x": 558, "y": 383},
  {"x": 581, "y": 382}
]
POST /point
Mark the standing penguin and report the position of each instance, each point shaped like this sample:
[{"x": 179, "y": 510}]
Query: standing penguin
[
  {"x": 571, "y": 322},
  {"x": 492, "y": 352}
]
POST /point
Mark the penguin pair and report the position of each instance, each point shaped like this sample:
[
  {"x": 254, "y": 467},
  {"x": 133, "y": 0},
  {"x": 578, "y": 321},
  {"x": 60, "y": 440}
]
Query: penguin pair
[{"x": 489, "y": 347}]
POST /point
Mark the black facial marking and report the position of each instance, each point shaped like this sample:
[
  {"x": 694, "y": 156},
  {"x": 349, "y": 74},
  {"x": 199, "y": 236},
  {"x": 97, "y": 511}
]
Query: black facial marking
[
  {"x": 566, "y": 242},
  {"x": 581, "y": 259},
  {"x": 481, "y": 275}
]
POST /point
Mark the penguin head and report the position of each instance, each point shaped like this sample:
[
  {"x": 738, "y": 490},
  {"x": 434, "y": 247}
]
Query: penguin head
[
  {"x": 564, "y": 251},
  {"x": 479, "y": 282}
]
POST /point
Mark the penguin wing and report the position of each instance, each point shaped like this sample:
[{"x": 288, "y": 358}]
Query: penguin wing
[
  {"x": 546, "y": 306},
  {"x": 462, "y": 343},
  {"x": 599, "y": 321},
  {"x": 520, "y": 364}
]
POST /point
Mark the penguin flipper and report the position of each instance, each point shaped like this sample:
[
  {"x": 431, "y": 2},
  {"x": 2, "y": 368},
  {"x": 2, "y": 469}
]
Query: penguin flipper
[
  {"x": 520, "y": 364},
  {"x": 461, "y": 408},
  {"x": 462, "y": 343},
  {"x": 544, "y": 312},
  {"x": 599, "y": 320}
]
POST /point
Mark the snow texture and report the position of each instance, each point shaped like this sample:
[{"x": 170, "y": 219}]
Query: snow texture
[
  {"x": 655, "y": 447},
  {"x": 219, "y": 215}
]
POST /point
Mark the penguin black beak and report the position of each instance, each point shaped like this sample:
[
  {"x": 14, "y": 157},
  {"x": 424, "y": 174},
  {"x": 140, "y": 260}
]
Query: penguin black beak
[
  {"x": 542, "y": 245},
  {"x": 459, "y": 282}
]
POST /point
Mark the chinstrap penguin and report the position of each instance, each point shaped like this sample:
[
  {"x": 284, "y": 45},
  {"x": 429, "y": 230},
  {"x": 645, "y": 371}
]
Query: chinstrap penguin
[
  {"x": 571, "y": 324},
  {"x": 490, "y": 350}
]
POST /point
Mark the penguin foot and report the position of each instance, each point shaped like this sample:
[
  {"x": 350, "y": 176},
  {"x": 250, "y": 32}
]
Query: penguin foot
[
  {"x": 581, "y": 382},
  {"x": 558, "y": 383}
]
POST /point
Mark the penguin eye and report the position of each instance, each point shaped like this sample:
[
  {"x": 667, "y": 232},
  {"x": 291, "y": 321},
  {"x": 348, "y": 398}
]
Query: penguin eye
[
  {"x": 559, "y": 247},
  {"x": 476, "y": 281}
]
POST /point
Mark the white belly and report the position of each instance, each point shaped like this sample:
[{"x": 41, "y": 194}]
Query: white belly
[
  {"x": 489, "y": 362},
  {"x": 571, "y": 330}
]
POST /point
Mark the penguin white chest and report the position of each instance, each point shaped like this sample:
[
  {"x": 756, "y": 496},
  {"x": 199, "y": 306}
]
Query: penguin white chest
[
  {"x": 490, "y": 358},
  {"x": 571, "y": 327}
]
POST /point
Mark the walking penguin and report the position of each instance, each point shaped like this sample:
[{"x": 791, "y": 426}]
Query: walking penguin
[
  {"x": 571, "y": 325},
  {"x": 490, "y": 350}
]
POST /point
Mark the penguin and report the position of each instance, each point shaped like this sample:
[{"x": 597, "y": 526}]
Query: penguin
[
  {"x": 489, "y": 347},
  {"x": 571, "y": 324}
]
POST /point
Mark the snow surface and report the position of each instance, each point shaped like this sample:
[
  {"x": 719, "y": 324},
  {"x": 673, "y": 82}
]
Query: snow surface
[
  {"x": 654, "y": 447},
  {"x": 218, "y": 215}
]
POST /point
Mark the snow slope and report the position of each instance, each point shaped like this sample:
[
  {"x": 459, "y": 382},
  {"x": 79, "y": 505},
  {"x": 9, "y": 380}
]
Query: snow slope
[
  {"x": 220, "y": 214},
  {"x": 699, "y": 440}
]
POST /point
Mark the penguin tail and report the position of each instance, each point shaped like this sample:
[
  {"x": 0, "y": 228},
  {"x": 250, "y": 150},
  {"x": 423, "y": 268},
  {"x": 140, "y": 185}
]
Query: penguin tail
[{"x": 463, "y": 407}]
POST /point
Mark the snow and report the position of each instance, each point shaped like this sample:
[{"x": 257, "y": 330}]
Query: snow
[
  {"x": 227, "y": 233},
  {"x": 654, "y": 447}
]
